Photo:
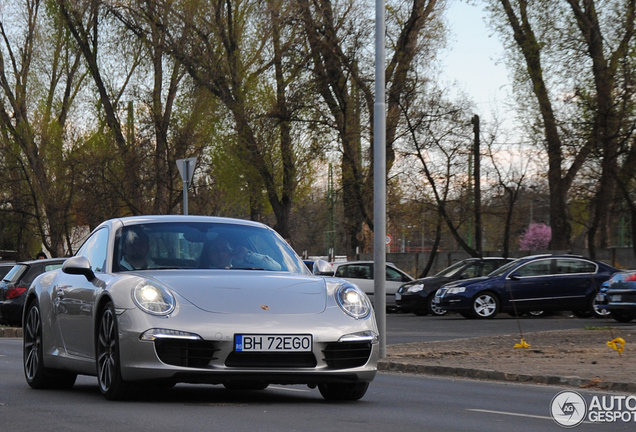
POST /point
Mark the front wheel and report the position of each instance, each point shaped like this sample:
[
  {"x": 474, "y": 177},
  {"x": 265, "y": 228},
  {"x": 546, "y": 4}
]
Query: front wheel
[
  {"x": 485, "y": 305},
  {"x": 432, "y": 308},
  {"x": 37, "y": 376},
  {"x": 343, "y": 391},
  {"x": 111, "y": 384}
]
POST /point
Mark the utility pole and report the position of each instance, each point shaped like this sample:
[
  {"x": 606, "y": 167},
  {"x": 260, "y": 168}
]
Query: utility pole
[{"x": 476, "y": 153}]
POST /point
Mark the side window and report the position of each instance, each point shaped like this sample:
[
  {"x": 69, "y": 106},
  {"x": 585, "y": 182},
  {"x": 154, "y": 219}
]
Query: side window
[
  {"x": 95, "y": 249},
  {"x": 471, "y": 271},
  {"x": 569, "y": 266},
  {"x": 357, "y": 271},
  {"x": 340, "y": 271},
  {"x": 489, "y": 267},
  {"x": 394, "y": 275},
  {"x": 33, "y": 272},
  {"x": 535, "y": 268}
]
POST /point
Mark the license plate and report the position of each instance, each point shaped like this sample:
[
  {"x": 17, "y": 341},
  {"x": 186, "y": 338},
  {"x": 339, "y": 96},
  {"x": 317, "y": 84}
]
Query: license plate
[
  {"x": 398, "y": 296},
  {"x": 273, "y": 343},
  {"x": 436, "y": 300},
  {"x": 600, "y": 297},
  {"x": 616, "y": 298}
]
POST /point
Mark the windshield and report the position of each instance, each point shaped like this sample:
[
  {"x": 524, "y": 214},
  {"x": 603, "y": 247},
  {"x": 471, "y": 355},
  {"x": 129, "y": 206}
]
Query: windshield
[
  {"x": 199, "y": 245},
  {"x": 501, "y": 270},
  {"x": 450, "y": 271}
]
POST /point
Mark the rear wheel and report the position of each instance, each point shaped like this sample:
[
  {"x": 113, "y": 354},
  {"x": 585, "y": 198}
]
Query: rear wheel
[
  {"x": 37, "y": 376},
  {"x": 485, "y": 305},
  {"x": 111, "y": 384},
  {"x": 343, "y": 391},
  {"x": 434, "y": 309}
]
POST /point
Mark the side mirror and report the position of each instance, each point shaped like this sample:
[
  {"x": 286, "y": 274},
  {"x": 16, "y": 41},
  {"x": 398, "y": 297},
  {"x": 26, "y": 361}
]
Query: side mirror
[
  {"x": 515, "y": 276},
  {"x": 323, "y": 268},
  {"x": 78, "y": 265}
]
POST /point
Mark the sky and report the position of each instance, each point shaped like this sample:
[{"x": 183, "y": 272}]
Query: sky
[{"x": 473, "y": 58}]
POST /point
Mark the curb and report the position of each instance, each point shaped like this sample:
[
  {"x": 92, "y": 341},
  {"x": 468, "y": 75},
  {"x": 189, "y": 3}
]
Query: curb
[
  {"x": 10, "y": 332},
  {"x": 491, "y": 375}
]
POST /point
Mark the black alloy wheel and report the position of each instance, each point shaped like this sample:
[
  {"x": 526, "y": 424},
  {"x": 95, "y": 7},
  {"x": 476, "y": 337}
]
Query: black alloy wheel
[
  {"x": 432, "y": 308},
  {"x": 111, "y": 384}
]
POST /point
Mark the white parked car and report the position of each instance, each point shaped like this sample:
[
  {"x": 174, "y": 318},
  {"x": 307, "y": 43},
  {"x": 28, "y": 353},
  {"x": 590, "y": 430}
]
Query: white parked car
[{"x": 361, "y": 274}]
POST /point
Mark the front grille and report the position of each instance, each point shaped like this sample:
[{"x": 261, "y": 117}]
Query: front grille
[
  {"x": 270, "y": 360},
  {"x": 188, "y": 353},
  {"x": 343, "y": 355}
]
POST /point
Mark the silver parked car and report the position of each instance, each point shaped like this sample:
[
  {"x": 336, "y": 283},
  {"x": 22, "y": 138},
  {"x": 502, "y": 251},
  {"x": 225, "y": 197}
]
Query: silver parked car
[{"x": 168, "y": 299}]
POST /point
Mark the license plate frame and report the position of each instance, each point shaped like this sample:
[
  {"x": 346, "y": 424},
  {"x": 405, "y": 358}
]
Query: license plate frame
[{"x": 291, "y": 343}]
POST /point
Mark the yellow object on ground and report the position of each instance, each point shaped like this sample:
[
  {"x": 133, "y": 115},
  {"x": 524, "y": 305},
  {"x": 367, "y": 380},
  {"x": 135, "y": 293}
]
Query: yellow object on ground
[
  {"x": 617, "y": 343},
  {"x": 523, "y": 344}
]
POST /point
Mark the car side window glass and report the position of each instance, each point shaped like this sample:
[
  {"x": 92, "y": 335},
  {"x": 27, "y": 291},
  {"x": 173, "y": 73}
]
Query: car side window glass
[
  {"x": 534, "y": 268},
  {"x": 570, "y": 266},
  {"x": 394, "y": 275},
  {"x": 358, "y": 272},
  {"x": 340, "y": 271},
  {"x": 471, "y": 271},
  {"x": 489, "y": 267},
  {"x": 95, "y": 250}
]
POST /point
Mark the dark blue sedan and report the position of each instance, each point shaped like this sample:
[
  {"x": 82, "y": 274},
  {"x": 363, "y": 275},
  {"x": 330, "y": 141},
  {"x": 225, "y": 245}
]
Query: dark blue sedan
[{"x": 542, "y": 282}]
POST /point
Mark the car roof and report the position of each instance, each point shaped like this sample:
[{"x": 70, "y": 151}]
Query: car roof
[
  {"x": 339, "y": 263},
  {"x": 135, "y": 220}
]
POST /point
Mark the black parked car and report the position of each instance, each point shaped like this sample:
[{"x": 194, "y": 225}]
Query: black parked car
[
  {"x": 618, "y": 296},
  {"x": 535, "y": 283},
  {"x": 418, "y": 296},
  {"x": 16, "y": 282}
]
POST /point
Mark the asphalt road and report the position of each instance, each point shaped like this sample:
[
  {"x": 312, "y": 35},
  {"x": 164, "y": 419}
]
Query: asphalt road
[{"x": 394, "y": 402}]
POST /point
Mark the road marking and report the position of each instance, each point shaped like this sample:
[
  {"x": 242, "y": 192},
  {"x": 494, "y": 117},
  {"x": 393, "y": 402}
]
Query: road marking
[
  {"x": 510, "y": 414},
  {"x": 517, "y": 414}
]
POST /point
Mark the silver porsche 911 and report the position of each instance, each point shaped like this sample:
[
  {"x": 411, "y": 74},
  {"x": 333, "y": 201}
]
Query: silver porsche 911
[{"x": 165, "y": 299}]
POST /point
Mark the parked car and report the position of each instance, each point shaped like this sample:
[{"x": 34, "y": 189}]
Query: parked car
[
  {"x": 535, "y": 283},
  {"x": 361, "y": 274},
  {"x": 618, "y": 296},
  {"x": 418, "y": 296},
  {"x": 168, "y": 299},
  {"x": 15, "y": 283}
]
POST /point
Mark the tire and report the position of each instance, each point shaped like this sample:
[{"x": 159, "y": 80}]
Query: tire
[
  {"x": 432, "y": 308},
  {"x": 37, "y": 376},
  {"x": 485, "y": 305},
  {"x": 111, "y": 384},
  {"x": 536, "y": 313},
  {"x": 245, "y": 385},
  {"x": 623, "y": 316},
  {"x": 343, "y": 391},
  {"x": 596, "y": 312}
]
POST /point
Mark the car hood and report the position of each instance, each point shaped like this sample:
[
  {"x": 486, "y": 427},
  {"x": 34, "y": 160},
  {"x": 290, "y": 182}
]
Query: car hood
[{"x": 245, "y": 291}]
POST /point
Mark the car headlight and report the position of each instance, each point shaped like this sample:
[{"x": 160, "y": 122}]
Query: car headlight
[
  {"x": 455, "y": 290},
  {"x": 153, "y": 298},
  {"x": 415, "y": 288},
  {"x": 353, "y": 301}
]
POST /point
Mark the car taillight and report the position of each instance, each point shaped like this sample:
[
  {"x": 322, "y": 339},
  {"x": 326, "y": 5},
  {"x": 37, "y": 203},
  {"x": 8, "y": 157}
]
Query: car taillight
[
  {"x": 15, "y": 292},
  {"x": 630, "y": 278}
]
